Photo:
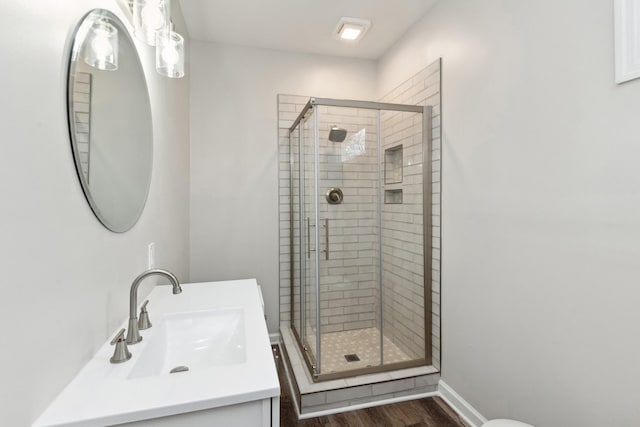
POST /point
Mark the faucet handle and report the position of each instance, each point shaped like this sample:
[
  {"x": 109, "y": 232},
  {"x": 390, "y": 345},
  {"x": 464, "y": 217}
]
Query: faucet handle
[
  {"x": 143, "y": 321},
  {"x": 119, "y": 336},
  {"x": 121, "y": 352}
]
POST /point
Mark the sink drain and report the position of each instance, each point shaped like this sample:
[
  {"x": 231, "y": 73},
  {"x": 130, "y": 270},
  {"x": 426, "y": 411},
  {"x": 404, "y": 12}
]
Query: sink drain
[{"x": 179, "y": 369}]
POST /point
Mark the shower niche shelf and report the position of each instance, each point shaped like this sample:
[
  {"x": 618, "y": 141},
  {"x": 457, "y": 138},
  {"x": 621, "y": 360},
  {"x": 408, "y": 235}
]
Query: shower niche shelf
[
  {"x": 392, "y": 197},
  {"x": 393, "y": 165}
]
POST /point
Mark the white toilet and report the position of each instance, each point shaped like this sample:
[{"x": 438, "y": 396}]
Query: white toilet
[{"x": 505, "y": 423}]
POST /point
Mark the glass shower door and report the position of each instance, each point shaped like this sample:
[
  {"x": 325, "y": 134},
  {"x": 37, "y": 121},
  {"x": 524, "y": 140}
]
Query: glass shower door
[
  {"x": 348, "y": 239},
  {"x": 360, "y": 207}
]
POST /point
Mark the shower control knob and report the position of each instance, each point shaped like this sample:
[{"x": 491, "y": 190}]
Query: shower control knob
[{"x": 334, "y": 196}]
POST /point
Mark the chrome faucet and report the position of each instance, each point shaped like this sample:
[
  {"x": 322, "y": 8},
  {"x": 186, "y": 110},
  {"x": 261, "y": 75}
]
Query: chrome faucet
[{"x": 133, "y": 335}]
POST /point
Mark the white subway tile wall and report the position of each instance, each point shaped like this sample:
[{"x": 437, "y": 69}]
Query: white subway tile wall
[
  {"x": 349, "y": 291},
  {"x": 402, "y": 224}
]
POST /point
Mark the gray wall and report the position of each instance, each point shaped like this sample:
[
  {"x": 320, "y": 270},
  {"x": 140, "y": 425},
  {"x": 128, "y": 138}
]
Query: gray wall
[
  {"x": 65, "y": 277},
  {"x": 540, "y": 208}
]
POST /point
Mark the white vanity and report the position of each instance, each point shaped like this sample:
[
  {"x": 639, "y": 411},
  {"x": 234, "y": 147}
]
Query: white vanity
[{"x": 217, "y": 331}]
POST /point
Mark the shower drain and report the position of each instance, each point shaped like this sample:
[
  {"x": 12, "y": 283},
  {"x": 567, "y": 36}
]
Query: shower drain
[{"x": 352, "y": 357}]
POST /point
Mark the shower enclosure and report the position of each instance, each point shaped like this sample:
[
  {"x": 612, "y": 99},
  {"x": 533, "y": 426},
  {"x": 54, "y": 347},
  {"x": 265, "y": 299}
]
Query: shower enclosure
[{"x": 360, "y": 236}]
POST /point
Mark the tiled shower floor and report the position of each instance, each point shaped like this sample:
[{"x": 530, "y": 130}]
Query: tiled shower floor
[{"x": 362, "y": 342}]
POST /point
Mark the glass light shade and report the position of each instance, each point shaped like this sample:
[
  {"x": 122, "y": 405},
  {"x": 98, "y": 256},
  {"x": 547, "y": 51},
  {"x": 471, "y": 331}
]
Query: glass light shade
[
  {"x": 170, "y": 54},
  {"x": 149, "y": 18},
  {"x": 101, "y": 49}
]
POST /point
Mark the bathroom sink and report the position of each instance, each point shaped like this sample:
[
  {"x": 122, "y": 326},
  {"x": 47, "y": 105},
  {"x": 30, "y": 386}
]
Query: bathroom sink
[
  {"x": 194, "y": 340},
  {"x": 215, "y": 329}
]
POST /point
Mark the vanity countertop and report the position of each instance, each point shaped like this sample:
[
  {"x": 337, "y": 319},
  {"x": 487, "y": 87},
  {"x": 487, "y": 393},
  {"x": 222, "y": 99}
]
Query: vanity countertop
[{"x": 103, "y": 393}]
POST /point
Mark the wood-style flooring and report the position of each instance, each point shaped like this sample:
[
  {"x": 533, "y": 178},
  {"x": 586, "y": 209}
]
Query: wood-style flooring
[{"x": 428, "y": 412}]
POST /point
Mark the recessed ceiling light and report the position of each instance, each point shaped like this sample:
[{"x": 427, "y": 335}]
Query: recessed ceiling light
[{"x": 352, "y": 29}]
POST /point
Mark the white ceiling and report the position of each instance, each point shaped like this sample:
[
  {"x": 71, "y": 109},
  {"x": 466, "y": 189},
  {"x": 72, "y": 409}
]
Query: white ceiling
[{"x": 302, "y": 25}]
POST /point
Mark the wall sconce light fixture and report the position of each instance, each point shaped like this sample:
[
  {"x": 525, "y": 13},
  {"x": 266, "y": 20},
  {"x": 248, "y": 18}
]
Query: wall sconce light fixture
[
  {"x": 149, "y": 18},
  {"x": 101, "y": 51},
  {"x": 170, "y": 54},
  {"x": 152, "y": 24}
]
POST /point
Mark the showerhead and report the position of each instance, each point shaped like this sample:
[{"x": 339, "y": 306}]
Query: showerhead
[{"x": 337, "y": 134}]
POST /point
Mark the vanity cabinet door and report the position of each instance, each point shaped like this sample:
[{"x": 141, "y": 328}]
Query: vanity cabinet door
[{"x": 264, "y": 413}]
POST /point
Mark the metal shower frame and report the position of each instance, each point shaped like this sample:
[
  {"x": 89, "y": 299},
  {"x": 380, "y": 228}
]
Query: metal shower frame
[{"x": 427, "y": 112}]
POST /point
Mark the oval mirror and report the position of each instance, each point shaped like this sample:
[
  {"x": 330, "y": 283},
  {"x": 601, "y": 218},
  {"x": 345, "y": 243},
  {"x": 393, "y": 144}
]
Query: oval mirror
[{"x": 109, "y": 120}]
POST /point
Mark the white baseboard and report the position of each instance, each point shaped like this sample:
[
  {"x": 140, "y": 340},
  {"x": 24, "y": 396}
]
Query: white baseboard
[{"x": 467, "y": 412}]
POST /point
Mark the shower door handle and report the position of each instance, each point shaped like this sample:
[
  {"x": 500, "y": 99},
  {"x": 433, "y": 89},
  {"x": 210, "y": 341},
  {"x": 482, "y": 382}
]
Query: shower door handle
[
  {"x": 309, "y": 250},
  {"x": 326, "y": 238}
]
